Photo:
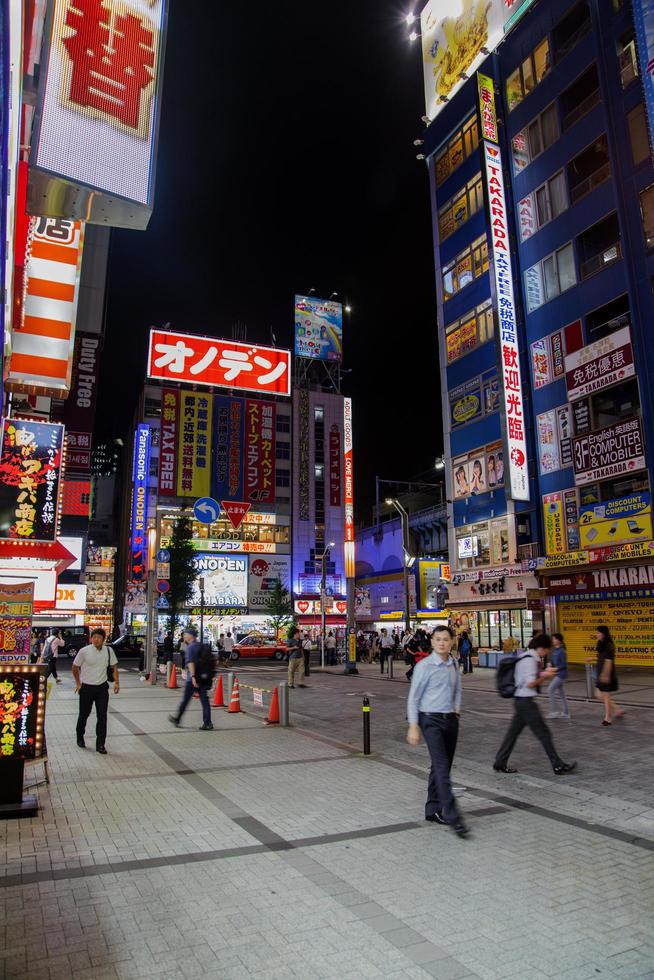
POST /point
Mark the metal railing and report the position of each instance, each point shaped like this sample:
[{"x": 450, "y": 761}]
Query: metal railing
[
  {"x": 597, "y": 262},
  {"x": 582, "y": 108},
  {"x": 590, "y": 183}
]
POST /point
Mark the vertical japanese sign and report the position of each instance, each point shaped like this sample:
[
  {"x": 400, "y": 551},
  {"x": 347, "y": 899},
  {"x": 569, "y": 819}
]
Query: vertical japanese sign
[
  {"x": 16, "y": 608},
  {"x": 518, "y": 481},
  {"x": 555, "y": 539},
  {"x": 229, "y": 440},
  {"x": 335, "y": 466},
  {"x": 22, "y": 709},
  {"x": 348, "y": 454},
  {"x": 168, "y": 442},
  {"x": 260, "y": 452},
  {"x": 139, "y": 528},
  {"x": 99, "y": 95},
  {"x": 46, "y": 309},
  {"x": 643, "y": 12},
  {"x": 30, "y": 475},
  {"x": 194, "y": 446},
  {"x": 79, "y": 407},
  {"x": 303, "y": 449},
  {"x": 487, "y": 107}
]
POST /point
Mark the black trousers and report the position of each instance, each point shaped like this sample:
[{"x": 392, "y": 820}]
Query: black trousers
[
  {"x": 440, "y": 732},
  {"x": 89, "y": 695},
  {"x": 527, "y": 715},
  {"x": 52, "y": 668},
  {"x": 307, "y": 662}
]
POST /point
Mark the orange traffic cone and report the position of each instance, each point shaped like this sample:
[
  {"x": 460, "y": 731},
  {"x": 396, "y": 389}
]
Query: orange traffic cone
[
  {"x": 273, "y": 714},
  {"x": 219, "y": 697},
  {"x": 172, "y": 681},
  {"x": 235, "y": 701}
]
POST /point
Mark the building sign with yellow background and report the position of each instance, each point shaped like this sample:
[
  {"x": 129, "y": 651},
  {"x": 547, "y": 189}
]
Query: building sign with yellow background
[
  {"x": 630, "y": 620},
  {"x": 614, "y": 522},
  {"x": 554, "y": 524},
  {"x": 194, "y": 451}
]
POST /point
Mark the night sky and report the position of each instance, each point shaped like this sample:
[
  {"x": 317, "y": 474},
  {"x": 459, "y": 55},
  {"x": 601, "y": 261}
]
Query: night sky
[{"x": 286, "y": 161}]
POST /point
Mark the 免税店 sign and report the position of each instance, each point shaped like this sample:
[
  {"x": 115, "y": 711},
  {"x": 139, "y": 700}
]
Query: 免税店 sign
[
  {"x": 606, "y": 362},
  {"x": 518, "y": 482},
  {"x": 610, "y": 452},
  {"x": 169, "y": 437}
]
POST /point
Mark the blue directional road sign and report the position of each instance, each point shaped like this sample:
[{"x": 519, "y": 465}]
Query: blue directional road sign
[
  {"x": 206, "y": 510},
  {"x": 162, "y": 603},
  {"x": 163, "y": 556}
]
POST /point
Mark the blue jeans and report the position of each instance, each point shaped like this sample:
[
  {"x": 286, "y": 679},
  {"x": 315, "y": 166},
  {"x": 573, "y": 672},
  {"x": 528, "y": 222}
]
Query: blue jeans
[
  {"x": 189, "y": 691},
  {"x": 557, "y": 686}
]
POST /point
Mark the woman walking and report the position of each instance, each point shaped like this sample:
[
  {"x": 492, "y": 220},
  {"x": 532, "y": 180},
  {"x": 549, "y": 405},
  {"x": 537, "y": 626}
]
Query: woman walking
[
  {"x": 607, "y": 676},
  {"x": 559, "y": 658}
]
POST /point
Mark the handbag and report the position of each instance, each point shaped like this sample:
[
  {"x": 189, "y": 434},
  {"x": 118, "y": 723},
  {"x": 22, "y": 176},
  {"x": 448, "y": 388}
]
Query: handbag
[{"x": 110, "y": 669}]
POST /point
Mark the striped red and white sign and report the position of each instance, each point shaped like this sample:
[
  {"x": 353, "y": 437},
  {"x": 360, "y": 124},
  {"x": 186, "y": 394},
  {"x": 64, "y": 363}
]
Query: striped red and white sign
[{"x": 44, "y": 335}]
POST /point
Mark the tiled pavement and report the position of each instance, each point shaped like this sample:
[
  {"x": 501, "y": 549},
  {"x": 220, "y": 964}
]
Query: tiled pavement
[{"x": 253, "y": 852}]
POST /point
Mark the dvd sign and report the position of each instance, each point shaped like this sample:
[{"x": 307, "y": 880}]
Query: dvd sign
[{"x": 610, "y": 452}]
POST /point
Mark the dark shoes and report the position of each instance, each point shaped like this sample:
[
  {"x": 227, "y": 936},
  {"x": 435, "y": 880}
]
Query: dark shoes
[
  {"x": 436, "y": 818},
  {"x": 460, "y": 829},
  {"x": 565, "y": 768},
  {"x": 101, "y": 749},
  {"x": 174, "y": 721},
  {"x": 507, "y": 769},
  {"x": 303, "y": 685},
  {"x": 81, "y": 743},
  {"x": 206, "y": 728}
]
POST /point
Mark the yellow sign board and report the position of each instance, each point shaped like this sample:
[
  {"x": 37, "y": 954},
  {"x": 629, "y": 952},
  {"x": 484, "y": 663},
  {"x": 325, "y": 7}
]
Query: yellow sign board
[
  {"x": 554, "y": 523},
  {"x": 631, "y": 622},
  {"x": 566, "y": 560}
]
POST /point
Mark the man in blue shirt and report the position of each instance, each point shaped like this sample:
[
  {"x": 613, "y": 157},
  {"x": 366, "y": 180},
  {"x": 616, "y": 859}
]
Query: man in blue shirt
[
  {"x": 433, "y": 708},
  {"x": 194, "y": 682}
]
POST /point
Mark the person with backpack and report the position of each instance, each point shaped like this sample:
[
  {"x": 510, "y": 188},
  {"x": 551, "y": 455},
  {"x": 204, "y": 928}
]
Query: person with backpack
[
  {"x": 557, "y": 684},
  {"x": 200, "y": 668},
  {"x": 465, "y": 652},
  {"x": 53, "y": 643},
  {"x": 519, "y": 678},
  {"x": 433, "y": 708}
]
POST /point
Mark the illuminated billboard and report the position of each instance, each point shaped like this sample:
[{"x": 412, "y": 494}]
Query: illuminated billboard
[
  {"x": 318, "y": 329},
  {"x": 98, "y": 111},
  {"x": 140, "y": 473},
  {"x": 348, "y": 460},
  {"x": 22, "y": 709},
  {"x": 30, "y": 473},
  {"x": 225, "y": 581}
]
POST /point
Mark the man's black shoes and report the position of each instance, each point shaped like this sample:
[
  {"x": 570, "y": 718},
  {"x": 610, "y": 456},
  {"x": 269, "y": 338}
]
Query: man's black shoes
[
  {"x": 460, "y": 829},
  {"x": 507, "y": 769},
  {"x": 565, "y": 768},
  {"x": 436, "y": 818},
  {"x": 101, "y": 749},
  {"x": 206, "y": 728},
  {"x": 81, "y": 743},
  {"x": 173, "y": 720}
]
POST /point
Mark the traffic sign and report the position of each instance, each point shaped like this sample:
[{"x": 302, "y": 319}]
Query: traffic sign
[
  {"x": 163, "y": 555},
  {"x": 162, "y": 603},
  {"x": 236, "y": 511},
  {"x": 206, "y": 510},
  {"x": 163, "y": 586},
  {"x": 163, "y": 569}
]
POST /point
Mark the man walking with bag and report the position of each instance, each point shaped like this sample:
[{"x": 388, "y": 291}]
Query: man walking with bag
[
  {"x": 199, "y": 677},
  {"x": 92, "y": 668}
]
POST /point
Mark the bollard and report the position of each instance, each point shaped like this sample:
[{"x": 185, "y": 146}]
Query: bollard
[
  {"x": 230, "y": 684},
  {"x": 366, "y": 726},
  {"x": 390, "y": 667},
  {"x": 590, "y": 683},
  {"x": 283, "y": 704}
]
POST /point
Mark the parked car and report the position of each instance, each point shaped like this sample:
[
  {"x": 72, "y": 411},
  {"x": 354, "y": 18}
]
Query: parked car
[
  {"x": 75, "y": 637},
  {"x": 128, "y": 645},
  {"x": 256, "y": 645}
]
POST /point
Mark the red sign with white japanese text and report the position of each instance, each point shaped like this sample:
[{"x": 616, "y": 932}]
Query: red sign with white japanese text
[
  {"x": 518, "y": 482},
  {"x": 219, "y": 363},
  {"x": 236, "y": 510},
  {"x": 168, "y": 444},
  {"x": 30, "y": 471},
  {"x": 335, "y": 464},
  {"x": 259, "y": 469},
  {"x": 348, "y": 457},
  {"x": 607, "y": 362}
]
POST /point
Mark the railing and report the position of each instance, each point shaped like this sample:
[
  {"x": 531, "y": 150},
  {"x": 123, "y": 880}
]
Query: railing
[
  {"x": 580, "y": 110},
  {"x": 590, "y": 183},
  {"x": 572, "y": 41},
  {"x": 606, "y": 257}
]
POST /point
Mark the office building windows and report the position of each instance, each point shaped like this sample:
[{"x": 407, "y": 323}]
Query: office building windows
[
  {"x": 459, "y": 147},
  {"x": 589, "y": 169},
  {"x": 468, "y": 265},
  {"x": 461, "y": 207},
  {"x": 283, "y": 450},
  {"x": 550, "y": 277},
  {"x": 528, "y": 75},
  {"x": 627, "y": 59},
  {"x": 570, "y": 30},
  {"x": 283, "y": 478},
  {"x": 469, "y": 331},
  {"x": 638, "y": 134},
  {"x": 535, "y": 139},
  {"x": 647, "y": 213}
]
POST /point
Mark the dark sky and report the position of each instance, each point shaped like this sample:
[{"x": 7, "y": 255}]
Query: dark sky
[{"x": 286, "y": 161}]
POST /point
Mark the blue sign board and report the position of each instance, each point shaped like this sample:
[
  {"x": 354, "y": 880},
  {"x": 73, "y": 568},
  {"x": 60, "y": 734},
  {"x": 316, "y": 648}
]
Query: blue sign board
[
  {"x": 229, "y": 448},
  {"x": 206, "y": 510},
  {"x": 163, "y": 556},
  {"x": 140, "y": 474},
  {"x": 643, "y": 11},
  {"x": 162, "y": 603}
]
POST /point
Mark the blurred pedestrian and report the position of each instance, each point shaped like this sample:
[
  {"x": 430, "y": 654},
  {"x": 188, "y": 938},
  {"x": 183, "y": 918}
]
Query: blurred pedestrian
[
  {"x": 433, "y": 708},
  {"x": 295, "y": 659},
  {"x": 385, "y": 648},
  {"x": 53, "y": 644},
  {"x": 199, "y": 677},
  {"x": 91, "y": 669},
  {"x": 465, "y": 652},
  {"x": 330, "y": 649},
  {"x": 509, "y": 645},
  {"x": 374, "y": 647},
  {"x": 607, "y": 675},
  {"x": 306, "y": 653},
  {"x": 526, "y": 713},
  {"x": 559, "y": 660}
]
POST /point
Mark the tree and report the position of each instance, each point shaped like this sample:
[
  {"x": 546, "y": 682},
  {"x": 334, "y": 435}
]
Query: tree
[
  {"x": 182, "y": 569},
  {"x": 279, "y": 606}
]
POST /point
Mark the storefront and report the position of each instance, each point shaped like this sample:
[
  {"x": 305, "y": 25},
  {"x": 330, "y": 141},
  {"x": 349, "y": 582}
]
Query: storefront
[{"x": 494, "y": 605}]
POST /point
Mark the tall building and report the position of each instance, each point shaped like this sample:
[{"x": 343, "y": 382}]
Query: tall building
[{"x": 542, "y": 191}]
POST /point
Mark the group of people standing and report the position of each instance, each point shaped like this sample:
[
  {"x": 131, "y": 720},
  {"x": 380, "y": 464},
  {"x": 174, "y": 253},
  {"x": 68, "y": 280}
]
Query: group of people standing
[{"x": 45, "y": 647}]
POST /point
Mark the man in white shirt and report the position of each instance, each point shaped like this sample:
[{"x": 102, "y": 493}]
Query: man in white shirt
[
  {"x": 386, "y": 648},
  {"x": 90, "y": 670},
  {"x": 228, "y": 645}
]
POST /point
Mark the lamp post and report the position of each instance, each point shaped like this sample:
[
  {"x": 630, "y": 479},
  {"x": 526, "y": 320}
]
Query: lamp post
[
  {"x": 323, "y": 588},
  {"x": 408, "y": 559}
]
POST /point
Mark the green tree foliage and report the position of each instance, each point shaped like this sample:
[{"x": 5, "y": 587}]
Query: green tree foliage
[
  {"x": 182, "y": 569},
  {"x": 280, "y": 609}
]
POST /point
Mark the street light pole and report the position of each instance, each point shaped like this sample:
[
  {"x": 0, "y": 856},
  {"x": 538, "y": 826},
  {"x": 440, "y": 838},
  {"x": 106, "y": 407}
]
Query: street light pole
[
  {"x": 404, "y": 521},
  {"x": 201, "y": 610}
]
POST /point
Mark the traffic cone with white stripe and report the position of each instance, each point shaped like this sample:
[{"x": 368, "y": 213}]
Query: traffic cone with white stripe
[
  {"x": 273, "y": 714},
  {"x": 219, "y": 697},
  {"x": 235, "y": 700},
  {"x": 172, "y": 681}
]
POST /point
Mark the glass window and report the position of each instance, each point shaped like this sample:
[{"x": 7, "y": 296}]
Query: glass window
[
  {"x": 319, "y": 413},
  {"x": 458, "y": 149},
  {"x": 514, "y": 89},
  {"x": 543, "y": 205},
  {"x": 542, "y": 60},
  {"x": 283, "y": 478},
  {"x": 550, "y": 277},
  {"x": 283, "y": 450},
  {"x": 535, "y": 142},
  {"x": 638, "y": 134},
  {"x": 558, "y": 197},
  {"x": 528, "y": 80},
  {"x": 550, "y": 126},
  {"x": 647, "y": 213},
  {"x": 566, "y": 266}
]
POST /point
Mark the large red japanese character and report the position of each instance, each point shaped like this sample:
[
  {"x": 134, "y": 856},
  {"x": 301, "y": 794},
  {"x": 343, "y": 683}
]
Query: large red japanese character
[{"x": 113, "y": 56}]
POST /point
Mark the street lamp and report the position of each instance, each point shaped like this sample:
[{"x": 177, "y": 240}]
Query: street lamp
[
  {"x": 323, "y": 588},
  {"x": 408, "y": 557}
]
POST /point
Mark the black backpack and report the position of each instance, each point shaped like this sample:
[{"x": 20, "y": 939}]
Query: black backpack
[
  {"x": 205, "y": 667},
  {"x": 505, "y": 676}
]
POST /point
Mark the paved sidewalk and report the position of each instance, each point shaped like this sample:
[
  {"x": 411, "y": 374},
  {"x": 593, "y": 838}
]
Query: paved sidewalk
[{"x": 279, "y": 853}]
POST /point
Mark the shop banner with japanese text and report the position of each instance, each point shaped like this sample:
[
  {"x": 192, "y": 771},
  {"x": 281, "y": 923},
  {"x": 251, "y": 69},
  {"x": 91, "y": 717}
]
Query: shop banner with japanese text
[
  {"x": 643, "y": 14},
  {"x": 194, "y": 445},
  {"x": 138, "y": 532},
  {"x": 259, "y": 452},
  {"x": 335, "y": 466},
  {"x": 609, "y": 452},
  {"x": 630, "y": 620},
  {"x": 168, "y": 443},
  {"x": 30, "y": 474},
  {"x": 229, "y": 436},
  {"x": 16, "y": 609},
  {"x": 606, "y": 362}
]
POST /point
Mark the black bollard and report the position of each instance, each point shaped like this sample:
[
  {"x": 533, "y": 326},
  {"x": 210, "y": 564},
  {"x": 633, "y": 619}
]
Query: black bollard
[{"x": 366, "y": 726}]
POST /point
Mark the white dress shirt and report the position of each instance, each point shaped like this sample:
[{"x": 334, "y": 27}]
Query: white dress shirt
[{"x": 93, "y": 664}]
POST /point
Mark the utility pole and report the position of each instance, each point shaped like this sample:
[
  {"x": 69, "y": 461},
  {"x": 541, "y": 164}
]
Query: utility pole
[
  {"x": 408, "y": 558},
  {"x": 201, "y": 610}
]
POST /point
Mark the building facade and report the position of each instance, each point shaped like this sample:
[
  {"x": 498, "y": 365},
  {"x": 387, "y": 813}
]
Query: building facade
[{"x": 542, "y": 190}]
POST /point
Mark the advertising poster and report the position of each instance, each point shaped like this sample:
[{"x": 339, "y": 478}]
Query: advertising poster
[
  {"x": 609, "y": 452},
  {"x": 564, "y": 431},
  {"x": 30, "y": 473},
  {"x": 318, "y": 329},
  {"x": 614, "y": 522},
  {"x": 495, "y": 465},
  {"x": 196, "y": 360},
  {"x": 431, "y": 575},
  {"x": 79, "y": 407},
  {"x": 527, "y": 217},
  {"x": 541, "y": 365},
  {"x": 453, "y": 41},
  {"x": 643, "y": 13},
  {"x": 168, "y": 443},
  {"x": 477, "y": 471},
  {"x": 335, "y": 466},
  {"x": 229, "y": 442},
  {"x": 460, "y": 477},
  {"x": 303, "y": 451},
  {"x": 630, "y": 620},
  {"x": 138, "y": 531},
  {"x": 607, "y": 362},
  {"x": 264, "y": 573},
  {"x": 553, "y": 523},
  {"x": 465, "y": 402},
  {"x": 136, "y": 597},
  {"x": 194, "y": 445},
  {"x": 16, "y": 609},
  {"x": 548, "y": 443},
  {"x": 259, "y": 468},
  {"x": 534, "y": 286},
  {"x": 22, "y": 710},
  {"x": 462, "y": 339},
  {"x": 362, "y": 604},
  {"x": 225, "y": 580},
  {"x": 348, "y": 469},
  {"x": 571, "y": 506}
]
